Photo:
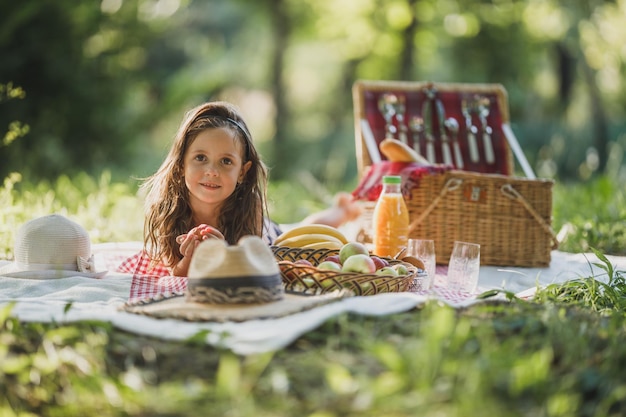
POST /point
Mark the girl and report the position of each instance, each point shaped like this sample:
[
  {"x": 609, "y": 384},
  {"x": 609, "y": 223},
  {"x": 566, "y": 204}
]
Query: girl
[{"x": 211, "y": 184}]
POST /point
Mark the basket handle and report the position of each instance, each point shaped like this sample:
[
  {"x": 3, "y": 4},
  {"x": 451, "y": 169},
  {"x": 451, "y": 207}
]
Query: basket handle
[
  {"x": 506, "y": 189},
  {"x": 513, "y": 194},
  {"x": 450, "y": 185}
]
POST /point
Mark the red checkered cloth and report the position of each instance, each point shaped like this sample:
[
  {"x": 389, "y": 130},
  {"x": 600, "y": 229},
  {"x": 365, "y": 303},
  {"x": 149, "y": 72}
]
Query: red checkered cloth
[
  {"x": 143, "y": 287},
  {"x": 141, "y": 264},
  {"x": 150, "y": 280},
  {"x": 370, "y": 186}
]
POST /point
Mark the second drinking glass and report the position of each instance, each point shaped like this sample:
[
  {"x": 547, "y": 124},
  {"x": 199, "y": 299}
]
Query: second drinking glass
[
  {"x": 424, "y": 250},
  {"x": 464, "y": 267}
]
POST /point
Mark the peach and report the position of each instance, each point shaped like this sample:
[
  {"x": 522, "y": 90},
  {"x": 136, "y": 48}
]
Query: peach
[
  {"x": 379, "y": 262},
  {"x": 333, "y": 258}
]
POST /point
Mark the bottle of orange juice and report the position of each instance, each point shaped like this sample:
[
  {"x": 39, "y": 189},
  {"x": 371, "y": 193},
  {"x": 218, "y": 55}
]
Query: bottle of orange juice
[{"x": 390, "y": 219}]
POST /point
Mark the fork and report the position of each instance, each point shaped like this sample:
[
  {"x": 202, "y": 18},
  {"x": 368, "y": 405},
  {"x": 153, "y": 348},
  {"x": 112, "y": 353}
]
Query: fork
[{"x": 471, "y": 130}]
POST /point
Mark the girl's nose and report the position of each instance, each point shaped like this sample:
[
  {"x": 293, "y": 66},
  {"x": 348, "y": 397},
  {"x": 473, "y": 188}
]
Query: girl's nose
[{"x": 211, "y": 170}]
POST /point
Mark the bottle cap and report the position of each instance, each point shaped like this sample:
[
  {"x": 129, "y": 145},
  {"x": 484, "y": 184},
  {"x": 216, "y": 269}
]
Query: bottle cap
[{"x": 392, "y": 179}]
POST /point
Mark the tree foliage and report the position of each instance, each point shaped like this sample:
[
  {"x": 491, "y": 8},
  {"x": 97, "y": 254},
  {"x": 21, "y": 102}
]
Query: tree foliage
[{"x": 107, "y": 82}]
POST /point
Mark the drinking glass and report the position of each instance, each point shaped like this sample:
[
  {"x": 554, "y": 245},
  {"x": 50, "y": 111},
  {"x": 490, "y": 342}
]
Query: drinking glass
[
  {"x": 424, "y": 250},
  {"x": 464, "y": 267}
]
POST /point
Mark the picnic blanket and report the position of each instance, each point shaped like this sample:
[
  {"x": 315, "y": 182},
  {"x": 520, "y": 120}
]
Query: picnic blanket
[{"x": 74, "y": 299}]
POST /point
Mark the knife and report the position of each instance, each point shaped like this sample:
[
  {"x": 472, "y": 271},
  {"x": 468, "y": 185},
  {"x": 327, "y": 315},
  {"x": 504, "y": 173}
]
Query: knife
[
  {"x": 370, "y": 141},
  {"x": 428, "y": 133},
  {"x": 400, "y": 117},
  {"x": 416, "y": 125},
  {"x": 489, "y": 155},
  {"x": 445, "y": 145}
]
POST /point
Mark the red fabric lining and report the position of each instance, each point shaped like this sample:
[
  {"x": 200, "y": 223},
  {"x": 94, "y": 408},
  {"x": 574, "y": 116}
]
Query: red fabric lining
[
  {"x": 452, "y": 103},
  {"x": 370, "y": 186}
]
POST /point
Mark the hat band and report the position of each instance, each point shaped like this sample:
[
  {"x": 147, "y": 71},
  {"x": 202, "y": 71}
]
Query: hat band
[
  {"x": 81, "y": 265},
  {"x": 247, "y": 290},
  {"x": 46, "y": 267}
]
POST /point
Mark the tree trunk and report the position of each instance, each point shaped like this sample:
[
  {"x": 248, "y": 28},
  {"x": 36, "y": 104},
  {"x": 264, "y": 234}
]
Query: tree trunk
[
  {"x": 281, "y": 24},
  {"x": 408, "y": 50},
  {"x": 600, "y": 129}
]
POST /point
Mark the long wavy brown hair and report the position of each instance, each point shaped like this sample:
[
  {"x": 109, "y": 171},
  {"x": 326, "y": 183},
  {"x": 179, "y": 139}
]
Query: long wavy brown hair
[{"x": 168, "y": 212}]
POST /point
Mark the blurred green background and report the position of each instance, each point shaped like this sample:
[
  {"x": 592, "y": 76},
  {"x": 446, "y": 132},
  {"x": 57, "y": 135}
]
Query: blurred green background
[{"x": 93, "y": 86}]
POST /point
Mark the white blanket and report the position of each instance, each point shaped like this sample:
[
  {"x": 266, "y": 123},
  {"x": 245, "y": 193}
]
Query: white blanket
[{"x": 74, "y": 299}]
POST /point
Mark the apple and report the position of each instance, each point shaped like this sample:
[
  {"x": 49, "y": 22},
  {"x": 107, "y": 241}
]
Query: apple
[
  {"x": 359, "y": 262},
  {"x": 379, "y": 262},
  {"x": 309, "y": 282},
  {"x": 387, "y": 270},
  {"x": 329, "y": 265},
  {"x": 351, "y": 249},
  {"x": 366, "y": 288},
  {"x": 303, "y": 262},
  {"x": 401, "y": 269},
  {"x": 333, "y": 258}
]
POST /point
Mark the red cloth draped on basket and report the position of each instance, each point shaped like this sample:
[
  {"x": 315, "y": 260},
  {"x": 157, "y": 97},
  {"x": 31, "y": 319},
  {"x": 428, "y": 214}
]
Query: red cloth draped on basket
[
  {"x": 150, "y": 280},
  {"x": 370, "y": 186}
]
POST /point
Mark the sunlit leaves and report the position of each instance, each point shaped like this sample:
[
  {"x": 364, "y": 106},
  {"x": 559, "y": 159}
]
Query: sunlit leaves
[
  {"x": 16, "y": 129},
  {"x": 461, "y": 25},
  {"x": 399, "y": 15},
  {"x": 546, "y": 20}
]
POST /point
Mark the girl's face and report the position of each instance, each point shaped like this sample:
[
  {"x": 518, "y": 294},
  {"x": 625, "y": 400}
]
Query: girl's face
[{"x": 213, "y": 164}]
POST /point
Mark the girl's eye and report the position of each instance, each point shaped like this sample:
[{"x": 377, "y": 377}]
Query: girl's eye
[
  {"x": 200, "y": 158},
  {"x": 227, "y": 161}
]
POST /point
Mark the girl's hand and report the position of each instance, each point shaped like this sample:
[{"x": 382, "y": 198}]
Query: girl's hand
[
  {"x": 188, "y": 244},
  {"x": 189, "y": 241}
]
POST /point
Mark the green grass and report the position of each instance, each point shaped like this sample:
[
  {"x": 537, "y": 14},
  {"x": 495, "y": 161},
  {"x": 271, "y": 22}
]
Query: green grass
[
  {"x": 561, "y": 355},
  {"x": 594, "y": 215},
  {"x": 110, "y": 212}
]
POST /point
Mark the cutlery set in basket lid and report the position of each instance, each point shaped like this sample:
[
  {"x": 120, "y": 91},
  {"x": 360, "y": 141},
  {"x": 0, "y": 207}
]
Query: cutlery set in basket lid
[{"x": 464, "y": 187}]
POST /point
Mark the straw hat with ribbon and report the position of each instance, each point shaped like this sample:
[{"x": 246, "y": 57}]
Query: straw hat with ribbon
[
  {"x": 50, "y": 247},
  {"x": 231, "y": 283}
]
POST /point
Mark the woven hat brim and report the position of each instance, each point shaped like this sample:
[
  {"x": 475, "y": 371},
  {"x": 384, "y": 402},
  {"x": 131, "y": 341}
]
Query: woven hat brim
[
  {"x": 12, "y": 271},
  {"x": 177, "y": 307}
]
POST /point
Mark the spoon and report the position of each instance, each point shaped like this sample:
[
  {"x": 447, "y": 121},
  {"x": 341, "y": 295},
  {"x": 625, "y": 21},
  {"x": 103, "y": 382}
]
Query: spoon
[
  {"x": 387, "y": 107},
  {"x": 453, "y": 127},
  {"x": 400, "y": 110}
]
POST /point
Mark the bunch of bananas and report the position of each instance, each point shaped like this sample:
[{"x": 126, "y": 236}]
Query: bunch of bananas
[{"x": 312, "y": 236}]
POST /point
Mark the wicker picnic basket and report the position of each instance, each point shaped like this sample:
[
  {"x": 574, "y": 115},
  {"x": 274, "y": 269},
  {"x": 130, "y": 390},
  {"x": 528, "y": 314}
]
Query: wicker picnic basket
[
  {"x": 510, "y": 217},
  {"x": 312, "y": 280},
  {"x": 485, "y": 203}
]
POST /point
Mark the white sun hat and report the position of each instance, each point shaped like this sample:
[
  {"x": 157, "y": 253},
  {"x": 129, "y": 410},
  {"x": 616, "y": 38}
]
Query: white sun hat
[
  {"x": 232, "y": 283},
  {"x": 49, "y": 247}
]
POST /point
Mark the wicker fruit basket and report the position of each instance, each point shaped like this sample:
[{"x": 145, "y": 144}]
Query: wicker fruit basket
[{"x": 312, "y": 280}]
